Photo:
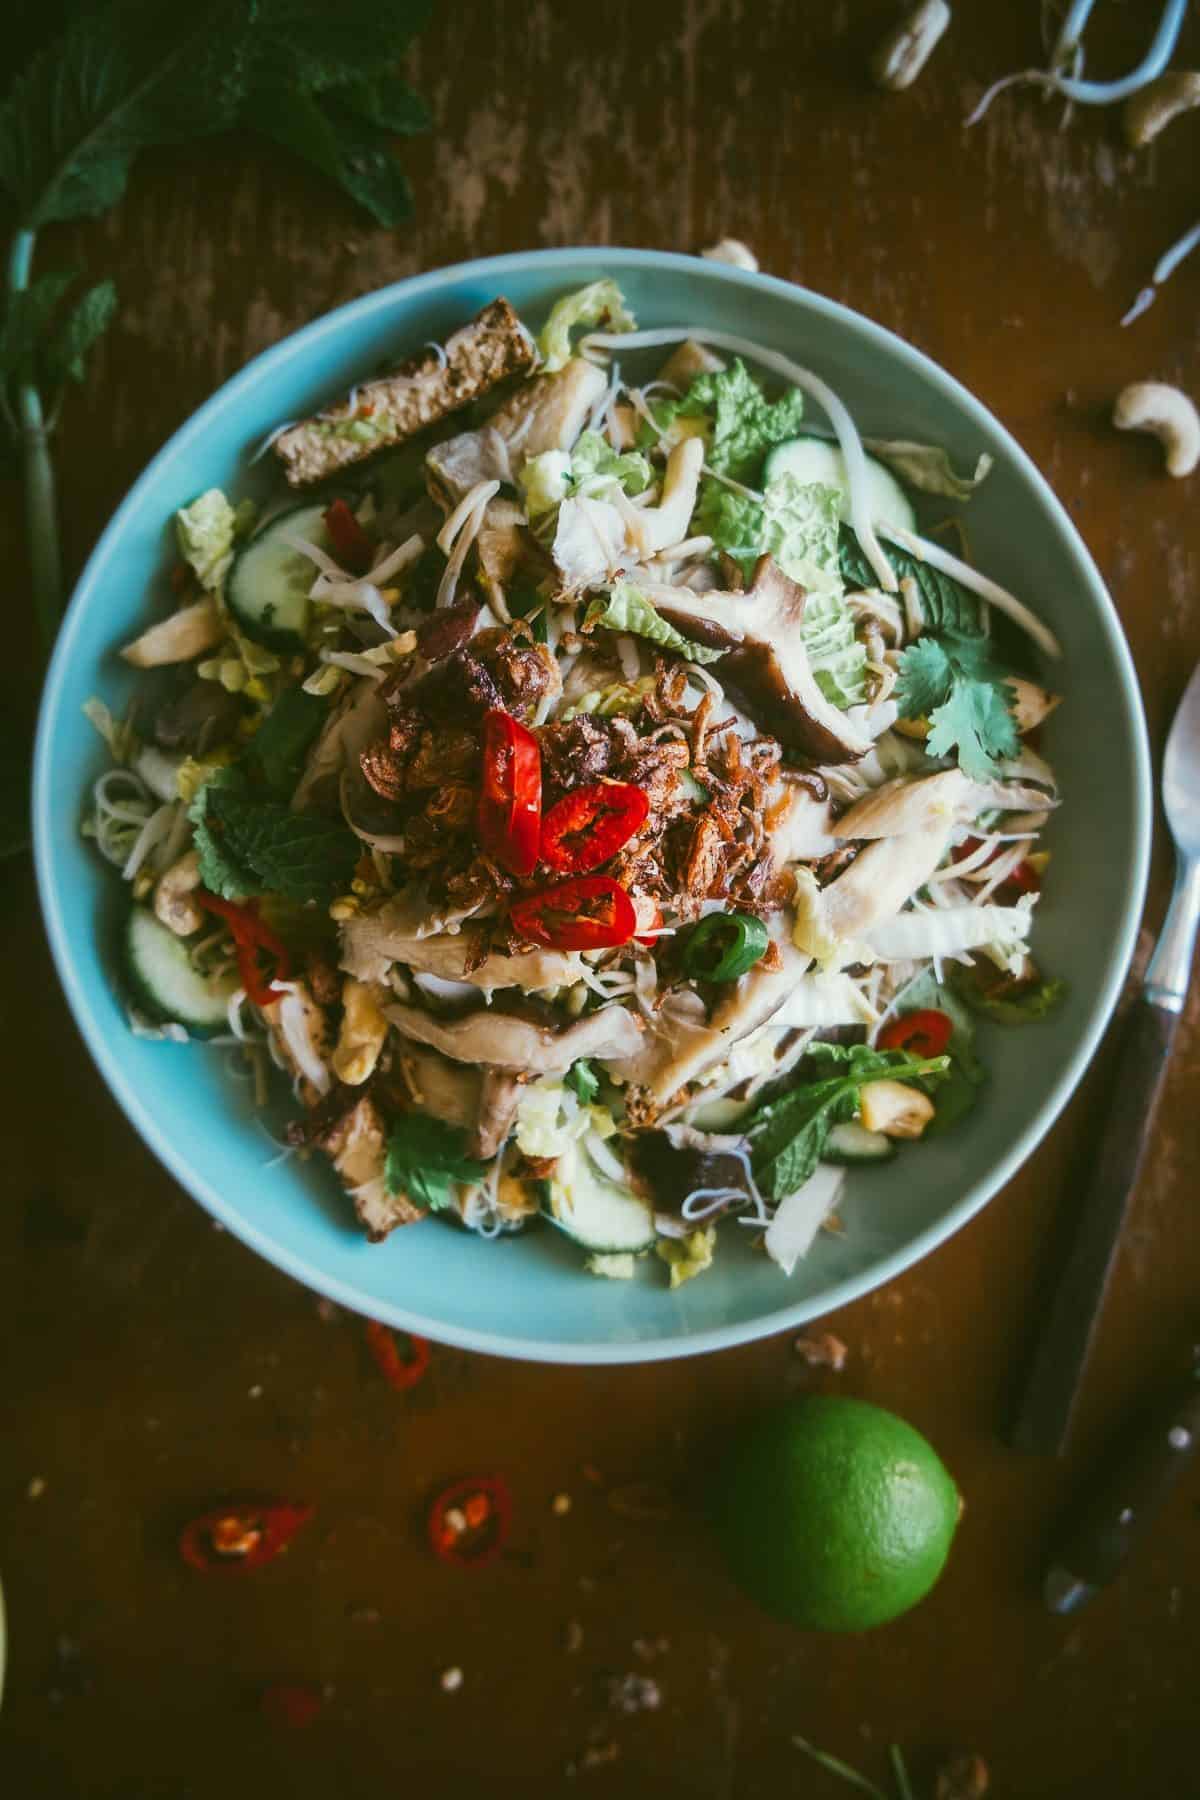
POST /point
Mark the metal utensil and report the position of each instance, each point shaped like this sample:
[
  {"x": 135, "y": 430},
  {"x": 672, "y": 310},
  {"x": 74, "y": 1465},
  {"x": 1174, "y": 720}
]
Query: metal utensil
[
  {"x": 1123, "y": 1500},
  {"x": 1049, "y": 1396}
]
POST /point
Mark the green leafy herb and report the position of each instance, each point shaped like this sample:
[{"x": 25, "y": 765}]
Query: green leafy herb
[
  {"x": 425, "y": 1157},
  {"x": 249, "y": 845},
  {"x": 787, "y": 1135},
  {"x": 945, "y": 603},
  {"x": 745, "y": 423},
  {"x": 957, "y": 685},
  {"x": 276, "y": 753},
  {"x": 1008, "y": 1001},
  {"x": 583, "y": 1081},
  {"x": 625, "y": 609},
  {"x": 958, "y": 1092}
]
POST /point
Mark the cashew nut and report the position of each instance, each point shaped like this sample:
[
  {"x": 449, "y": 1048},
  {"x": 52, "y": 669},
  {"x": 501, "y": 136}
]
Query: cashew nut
[
  {"x": 906, "y": 49},
  {"x": 731, "y": 250},
  {"x": 173, "y": 903},
  {"x": 185, "y": 634},
  {"x": 1152, "y": 108},
  {"x": 361, "y": 1038},
  {"x": 1168, "y": 414},
  {"x": 895, "y": 1109}
]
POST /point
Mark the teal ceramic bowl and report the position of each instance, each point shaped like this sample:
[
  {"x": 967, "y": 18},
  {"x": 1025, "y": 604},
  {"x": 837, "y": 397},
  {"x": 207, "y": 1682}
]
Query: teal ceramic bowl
[{"x": 528, "y": 1296}]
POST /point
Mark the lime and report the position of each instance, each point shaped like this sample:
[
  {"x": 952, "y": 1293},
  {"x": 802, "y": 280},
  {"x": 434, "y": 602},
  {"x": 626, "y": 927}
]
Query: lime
[{"x": 834, "y": 1514}]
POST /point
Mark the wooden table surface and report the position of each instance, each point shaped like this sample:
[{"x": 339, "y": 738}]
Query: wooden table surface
[{"x": 152, "y": 1362}]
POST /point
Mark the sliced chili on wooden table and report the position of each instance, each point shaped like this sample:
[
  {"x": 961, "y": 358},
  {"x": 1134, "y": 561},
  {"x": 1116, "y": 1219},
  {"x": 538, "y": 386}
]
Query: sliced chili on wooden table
[
  {"x": 469, "y": 1521},
  {"x": 510, "y": 798},
  {"x": 591, "y": 912},
  {"x": 241, "y": 1537},
  {"x": 402, "y": 1358}
]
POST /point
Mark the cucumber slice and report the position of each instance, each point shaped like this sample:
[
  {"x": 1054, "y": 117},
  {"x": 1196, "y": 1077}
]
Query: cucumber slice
[
  {"x": 811, "y": 459},
  {"x": 267, "y": 590},
  {"x": 852, "y": 1143},
  {"x": 597, "y": 1213},
  {"x": 165, "y": 985}
]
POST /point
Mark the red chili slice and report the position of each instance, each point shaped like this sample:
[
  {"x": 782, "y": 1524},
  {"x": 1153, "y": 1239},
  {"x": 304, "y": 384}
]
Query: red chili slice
[
  {"x": 510, "y": 799},
  {"x": 351, "y": 544},
  {"x": 387, "y": 1347},
  {"x": 241, "y": 1537},
  {"x": 590, "y": 824},
  {"x": 250, "y": 936},
  {"x": 1024, "y": 879},
  {"x": 923, "y": 1033},
  {"x": 469, "y": 1521},
  {"x": 589, "y": 913}
]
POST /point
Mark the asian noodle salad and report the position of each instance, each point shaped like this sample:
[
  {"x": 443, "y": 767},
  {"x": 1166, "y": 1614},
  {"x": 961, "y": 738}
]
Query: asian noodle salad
[{"x": 583, "y": 781}]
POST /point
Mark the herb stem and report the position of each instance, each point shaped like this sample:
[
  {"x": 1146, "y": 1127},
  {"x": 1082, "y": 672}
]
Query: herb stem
[{"x": 41, "y": 501}]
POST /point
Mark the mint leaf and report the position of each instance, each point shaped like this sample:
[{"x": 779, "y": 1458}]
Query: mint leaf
[
  {"x": 387, "y": 102},
  {"x": 275, "y": 756},
  {"x": 787, "y": 1135},
  {"x": 64, "y": 356},
  {"x": 424, "y": 1157},
  {"x": 122, "y": 77},
  {"x": 335, "y": 139},
  {"x": 249, "y": 845},
  {"x": 221, "y": 871},
  {"x": 583, "y": 1081},
  {"x": 745, "y": 423},
  {"x": 312, "y": 46},
  {"x": 946, "y": 605},
  {"x": 25, "y": 319}
]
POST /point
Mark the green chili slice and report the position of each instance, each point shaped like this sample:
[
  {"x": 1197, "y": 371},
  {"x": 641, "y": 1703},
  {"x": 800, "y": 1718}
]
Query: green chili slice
[{"x": 724, "y": 946}]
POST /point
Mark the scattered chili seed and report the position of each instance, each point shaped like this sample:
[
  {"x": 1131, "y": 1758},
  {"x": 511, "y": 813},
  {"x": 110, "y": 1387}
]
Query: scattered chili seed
[
  {"x": 36, "y": 1488},
  {"x": 403, "y": 1358},
  {"x": 451, "y": 1680},
  {"x": 964, "y": 1777},
  {"x": 561, "y": 1505}
]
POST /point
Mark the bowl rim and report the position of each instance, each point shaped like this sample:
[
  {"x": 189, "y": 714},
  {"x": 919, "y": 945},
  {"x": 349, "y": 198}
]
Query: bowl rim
[{"x": 651, "y": 1349}]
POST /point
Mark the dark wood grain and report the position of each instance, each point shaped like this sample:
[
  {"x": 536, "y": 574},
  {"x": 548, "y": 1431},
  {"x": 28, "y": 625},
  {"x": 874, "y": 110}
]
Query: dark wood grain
[
  {"x": 1126, "y": 1140},
  {"x": 151, "y": 1362}
]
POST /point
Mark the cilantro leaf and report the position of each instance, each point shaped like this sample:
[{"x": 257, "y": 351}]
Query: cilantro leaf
[
  {"x": 956, "y": 684},
  {"x": 745, "y": 423},
  {"x": 387, "y": 102},
  {"x": 249, "y": 845},
  {"x": 583, "y": 1081},
  {"x": 787, "y": 1135},
  {"x": 424, "y": 1156},
  {"x": 945, "y": 603}
]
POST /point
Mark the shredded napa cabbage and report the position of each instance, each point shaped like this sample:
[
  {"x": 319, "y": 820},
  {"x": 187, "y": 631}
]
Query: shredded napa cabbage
[
  {"x": 1002, "y": 931},
  {"x": 624, "y": 609},
  {"x": 206, "y": 531},
  {"x": 601, "y": 303}
]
